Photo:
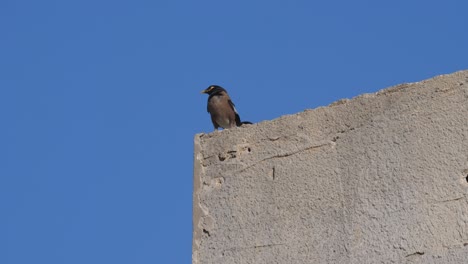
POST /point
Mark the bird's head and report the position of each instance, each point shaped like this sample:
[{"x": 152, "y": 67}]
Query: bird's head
[{"x": 213, "y": 89}]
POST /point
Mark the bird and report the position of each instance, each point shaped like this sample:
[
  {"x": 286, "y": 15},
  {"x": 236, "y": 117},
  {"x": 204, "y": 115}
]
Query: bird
[{"x": 221, "y": 108}]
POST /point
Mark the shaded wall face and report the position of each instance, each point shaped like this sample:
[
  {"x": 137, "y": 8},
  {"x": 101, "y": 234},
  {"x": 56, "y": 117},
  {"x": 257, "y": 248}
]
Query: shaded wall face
[{"x": 377, "y": 179}]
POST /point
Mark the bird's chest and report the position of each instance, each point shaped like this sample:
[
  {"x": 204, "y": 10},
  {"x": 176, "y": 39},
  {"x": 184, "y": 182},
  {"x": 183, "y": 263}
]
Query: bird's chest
[
  {"x": 221, "y": 111},
  {"x": 218, "y": 105}
]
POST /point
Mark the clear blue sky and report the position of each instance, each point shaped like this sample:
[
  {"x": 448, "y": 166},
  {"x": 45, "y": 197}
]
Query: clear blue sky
[{"x": 99, "y": 103}]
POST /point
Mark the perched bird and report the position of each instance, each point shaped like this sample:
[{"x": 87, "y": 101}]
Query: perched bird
[{"x": 221, "y": 108}]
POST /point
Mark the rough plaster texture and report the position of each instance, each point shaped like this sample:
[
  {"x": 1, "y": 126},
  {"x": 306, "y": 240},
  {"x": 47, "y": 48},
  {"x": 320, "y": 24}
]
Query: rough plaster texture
[{"x": 380, "y": 178}]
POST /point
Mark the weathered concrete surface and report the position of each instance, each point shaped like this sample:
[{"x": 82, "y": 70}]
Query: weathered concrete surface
[{"x": 381, "y": 178}]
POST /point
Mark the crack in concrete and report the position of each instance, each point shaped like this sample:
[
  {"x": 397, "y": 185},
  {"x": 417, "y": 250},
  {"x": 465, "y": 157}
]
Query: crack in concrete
[
  {"x": 253, "y": 247},
  {"x": 287, "y": 154},
  {"x": 417, "y": 253},
  {"x": 450, "y": 200},
  {"x": 268, "y": 245}
]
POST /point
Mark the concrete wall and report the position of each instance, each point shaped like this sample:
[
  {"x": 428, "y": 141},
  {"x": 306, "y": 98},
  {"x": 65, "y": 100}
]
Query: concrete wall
[{"x": 381, "y": 178}]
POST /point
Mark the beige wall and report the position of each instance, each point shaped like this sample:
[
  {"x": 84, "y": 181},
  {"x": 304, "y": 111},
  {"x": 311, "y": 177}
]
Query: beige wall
[{"x": 380, "y": 178}]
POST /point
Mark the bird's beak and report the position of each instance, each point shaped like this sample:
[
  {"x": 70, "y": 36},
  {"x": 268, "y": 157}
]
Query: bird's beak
[{"x": 204, "y": 91}]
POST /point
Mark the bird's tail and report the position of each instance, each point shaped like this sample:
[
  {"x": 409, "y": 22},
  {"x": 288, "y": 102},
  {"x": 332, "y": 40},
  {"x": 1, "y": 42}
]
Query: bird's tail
[{"x": 239, "y": 122}]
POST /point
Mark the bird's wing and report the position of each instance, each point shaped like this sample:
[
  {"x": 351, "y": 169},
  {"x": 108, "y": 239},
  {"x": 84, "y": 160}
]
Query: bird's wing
[
  {"x": 232, "y": 106},
  {"x": 238, "y": 122}
]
